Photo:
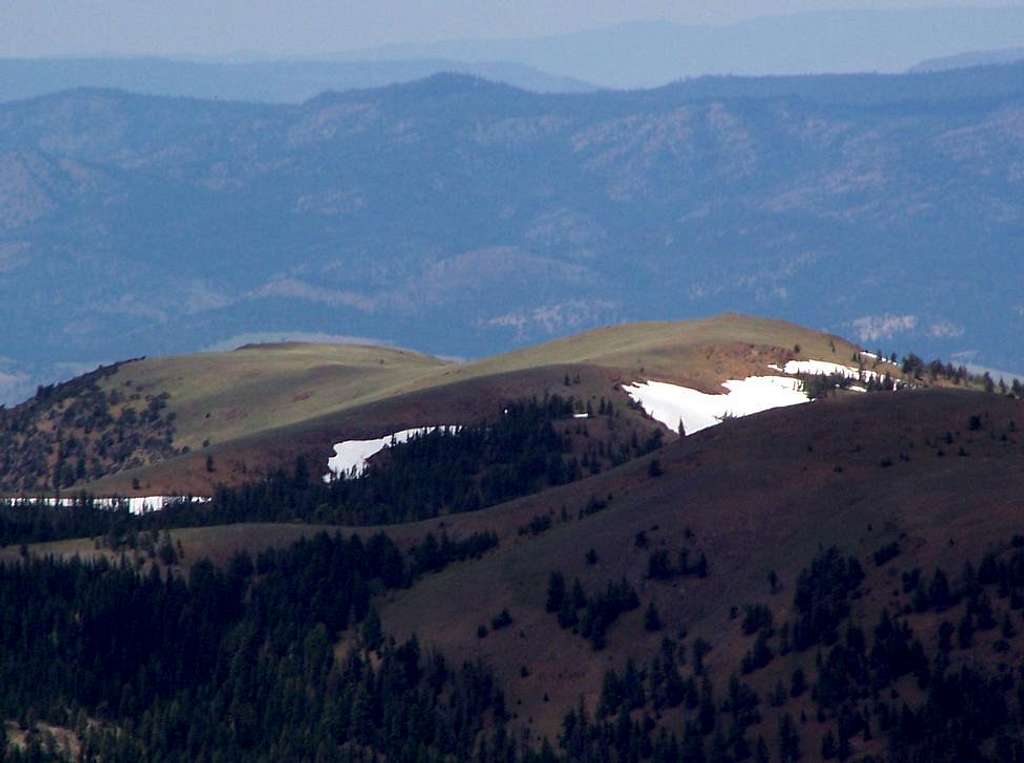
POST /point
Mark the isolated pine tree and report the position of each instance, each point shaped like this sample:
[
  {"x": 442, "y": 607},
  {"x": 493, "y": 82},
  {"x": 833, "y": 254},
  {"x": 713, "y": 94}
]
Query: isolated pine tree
[
  {"x": 556, "y": 592},
  {"x": 652, "y": 620}
]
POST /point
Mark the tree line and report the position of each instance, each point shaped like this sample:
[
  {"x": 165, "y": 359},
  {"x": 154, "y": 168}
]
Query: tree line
[{"x": 524, "y": 449}]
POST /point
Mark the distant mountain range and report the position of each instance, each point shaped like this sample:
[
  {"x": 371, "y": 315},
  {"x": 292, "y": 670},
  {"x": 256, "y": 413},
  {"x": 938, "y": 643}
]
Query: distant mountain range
[
  {"x": 464, "y": 218},
  {"x": 625, "y": 56},
  {"x": 647, "y": 54},
  {"x": 257, "y": 81},
  {"x": 974, "y": 58}
]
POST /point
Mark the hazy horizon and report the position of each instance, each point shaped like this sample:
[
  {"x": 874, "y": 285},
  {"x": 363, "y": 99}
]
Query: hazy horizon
[{"x": 270, "y": 28}]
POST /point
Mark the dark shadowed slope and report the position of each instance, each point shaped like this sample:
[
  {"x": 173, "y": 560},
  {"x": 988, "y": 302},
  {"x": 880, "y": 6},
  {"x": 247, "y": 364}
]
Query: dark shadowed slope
[
  {"x": 757, "y": 495},
  {"x": 728, "y": 541}
]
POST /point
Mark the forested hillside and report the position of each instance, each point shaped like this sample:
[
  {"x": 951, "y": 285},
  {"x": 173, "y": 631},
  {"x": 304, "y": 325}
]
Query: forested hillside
[
  {"x": 76, "y": 431},
  {"x": 224, "y": 665},
  {"x": 803, "y": 584}
]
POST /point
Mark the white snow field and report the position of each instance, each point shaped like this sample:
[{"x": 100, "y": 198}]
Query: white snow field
[
  {"x": 136, "y": 505},
  {"x": 351, "y": 456},
  {"x": 826, "y": 368},
  {"x": 670, "y": 403},
  {"x": 883, "y": 359}
]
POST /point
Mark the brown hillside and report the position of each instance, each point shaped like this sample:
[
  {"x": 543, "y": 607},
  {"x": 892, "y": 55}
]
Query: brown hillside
[
  {"x": 936, "y": 472},
  {"x": 755, "y": 495}
]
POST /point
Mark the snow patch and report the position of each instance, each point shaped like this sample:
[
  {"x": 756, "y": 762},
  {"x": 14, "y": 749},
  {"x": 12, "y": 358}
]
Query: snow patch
[
  {"x": 821, "y": 367},
  {"x": 137, "y": 505},
  {"x": 351, "y": 456},
  {"x": 670, "y": 403},
  {"x": 882, "y": 358}
]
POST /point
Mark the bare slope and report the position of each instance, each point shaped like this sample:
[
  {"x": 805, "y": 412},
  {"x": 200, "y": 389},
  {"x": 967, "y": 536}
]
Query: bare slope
[
  {"x": 225, "y": 395},
  {"x": 703, "y": 352},
  {"x": 258, "y": 422},
  {"x": 755, "y": 495}
]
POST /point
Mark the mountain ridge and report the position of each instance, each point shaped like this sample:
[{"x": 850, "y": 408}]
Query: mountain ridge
[
  {"x": 207, "y": 420},
  {"x": 252, "y": 82},
  {"x": 971, "y": 59},
  {"x": 646, "y": 54}
]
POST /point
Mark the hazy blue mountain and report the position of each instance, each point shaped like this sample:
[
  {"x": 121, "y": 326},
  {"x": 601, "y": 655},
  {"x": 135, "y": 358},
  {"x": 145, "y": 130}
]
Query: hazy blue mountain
[
  {"x": 463, "y": 217},
  {"x": 655, "y": 53},
  {"x": 973, "y": 58},
  {"x": 261, "y": 81}
]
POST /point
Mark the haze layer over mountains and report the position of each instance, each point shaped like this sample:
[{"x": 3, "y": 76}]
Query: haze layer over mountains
[{"x": 629, "y": 55}]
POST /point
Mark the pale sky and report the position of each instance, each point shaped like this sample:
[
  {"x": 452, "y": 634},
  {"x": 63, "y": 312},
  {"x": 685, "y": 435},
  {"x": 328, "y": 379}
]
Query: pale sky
[{"x": 194, "y": 28}]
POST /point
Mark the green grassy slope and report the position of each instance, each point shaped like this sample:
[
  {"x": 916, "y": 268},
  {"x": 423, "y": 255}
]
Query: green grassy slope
[
  {"x": 704, "y": 352},
  {"x": 225, "y": 395},
  {"x": 263, "y": 387}
]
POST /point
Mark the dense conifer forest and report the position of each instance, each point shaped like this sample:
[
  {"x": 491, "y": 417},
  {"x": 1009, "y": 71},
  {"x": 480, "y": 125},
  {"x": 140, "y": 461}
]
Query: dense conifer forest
[{"x": 238, "y": 664}]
